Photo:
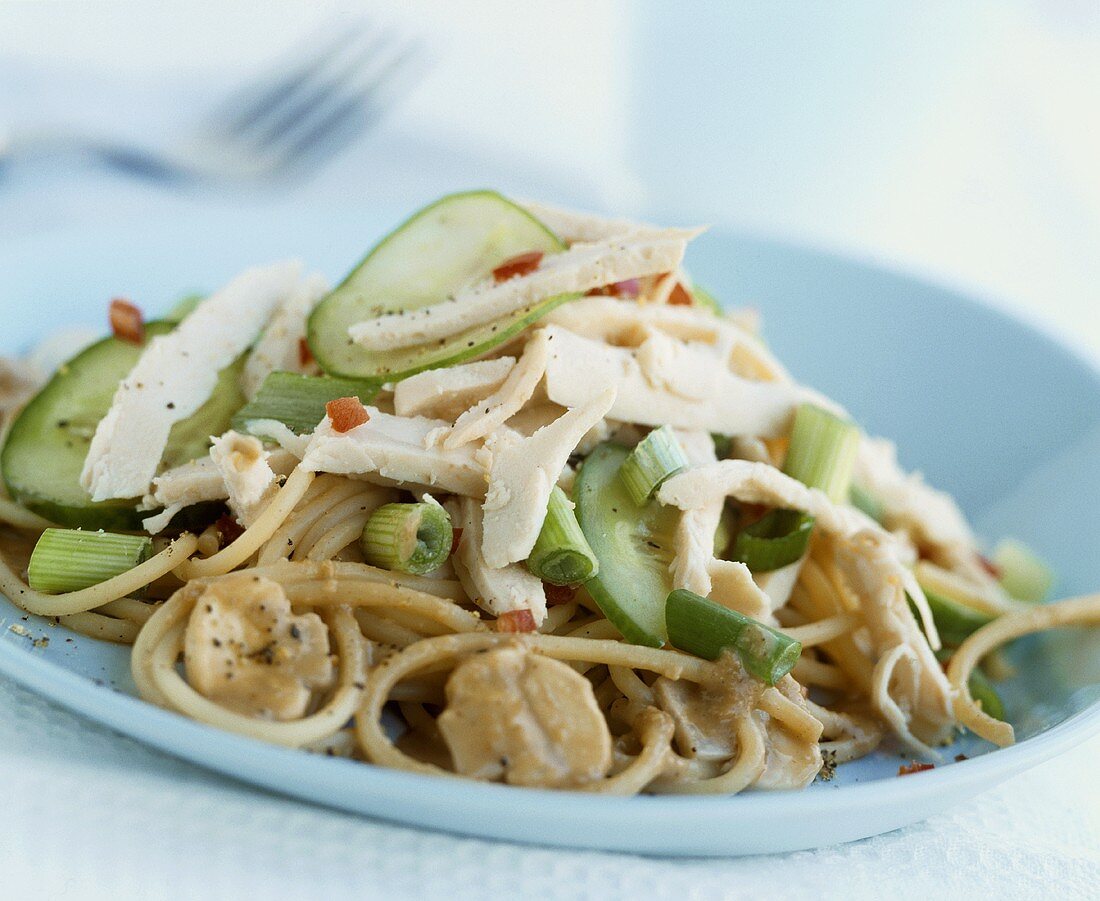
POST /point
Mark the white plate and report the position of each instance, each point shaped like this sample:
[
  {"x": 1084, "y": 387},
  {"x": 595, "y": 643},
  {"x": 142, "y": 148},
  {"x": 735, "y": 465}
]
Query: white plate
[{"x": 991, "y": 410}]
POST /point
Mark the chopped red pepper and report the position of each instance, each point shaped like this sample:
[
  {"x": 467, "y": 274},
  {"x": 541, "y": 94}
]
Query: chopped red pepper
[
  {"x": 516, "y": 621},
  {"x": 126, "y": 321},
  {"x": 228, "y": 529},
  {"x": 305, "y": 355},
  {"x": 456, "y": 537},
  {"x": 520, "y": 264},
  {"x": 915, "y": 767},
  {"x": 346, "y": 413},
  {"x": 679, "y": 296},
  {"x": 559, "y": 594},
  {"x": 989, "y": 566}
]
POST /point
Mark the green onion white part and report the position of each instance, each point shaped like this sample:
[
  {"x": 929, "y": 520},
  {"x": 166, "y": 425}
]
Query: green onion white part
[
  {"x": 822, "y": 451},
  {"x": 411, "y": 538},
  {"x": 70, "y": 559},
  {"x": 658, "y": 456},
  {"x": 1023, "y": 574},
  {"x": 562, "y": 555}
]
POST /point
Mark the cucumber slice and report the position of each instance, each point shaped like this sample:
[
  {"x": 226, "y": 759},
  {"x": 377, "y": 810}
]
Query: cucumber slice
[
  {"x": 632, "y": 543},
  {"x": 453, "y": 242},
  {"x": 954, "y": 621},
  {"x": 45, "y": 449}
]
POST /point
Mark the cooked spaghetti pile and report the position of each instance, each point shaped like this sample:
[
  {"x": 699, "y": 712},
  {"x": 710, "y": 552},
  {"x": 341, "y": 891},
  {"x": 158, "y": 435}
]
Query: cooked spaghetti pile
[{"x": 517, "y": 501}]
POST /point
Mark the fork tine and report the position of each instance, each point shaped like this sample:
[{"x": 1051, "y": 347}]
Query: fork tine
[
  {"x": 334, "y": 124},
  {"x": 324, "y": 81},
  {"x": 248, "y": 105}
]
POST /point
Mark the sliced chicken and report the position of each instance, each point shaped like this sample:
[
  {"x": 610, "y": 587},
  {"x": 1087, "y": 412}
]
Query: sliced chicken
[
  {"x": 447, "y": 393},
  {"x": 581, "y": 268},
  {"x": 515, "y": 716},
  {"x": 250, "y": 482}
]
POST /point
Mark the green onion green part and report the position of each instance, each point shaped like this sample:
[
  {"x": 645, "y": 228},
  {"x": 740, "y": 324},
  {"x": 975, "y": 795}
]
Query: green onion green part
[
  {"x": 655, "y": 458},
  {"x": 863, "y": 500},
  {"x": 822, "y": 451},
  {"x": 71, "y": 559},
  {"x": 954, "y": 620},
  {"x": 298, "y": 401},
  {"x": 409, "y": 538},
  {"x": 723, "y": 445},
  {"x": 704, "y": 628},
  {"x": 775, "y": 541},
  {"x": 982, "y": 691},
  {"x": 1023, "y": 574},
  {"x": 723, "y": 535},
  {"x": 562, "y": 555}
]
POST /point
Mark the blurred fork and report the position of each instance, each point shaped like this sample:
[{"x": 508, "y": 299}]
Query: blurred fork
[{"x": 294, "y": 116}]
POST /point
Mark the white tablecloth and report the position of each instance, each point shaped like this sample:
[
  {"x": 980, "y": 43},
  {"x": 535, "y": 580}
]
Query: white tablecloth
[{"x": 86, "y": 813}]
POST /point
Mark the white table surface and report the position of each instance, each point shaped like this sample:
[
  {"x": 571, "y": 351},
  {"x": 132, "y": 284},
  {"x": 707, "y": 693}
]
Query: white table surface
[{"x": 87, "y": 813}]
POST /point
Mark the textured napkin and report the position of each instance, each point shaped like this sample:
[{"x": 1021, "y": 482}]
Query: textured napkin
[{"x": 90, "y": 814}]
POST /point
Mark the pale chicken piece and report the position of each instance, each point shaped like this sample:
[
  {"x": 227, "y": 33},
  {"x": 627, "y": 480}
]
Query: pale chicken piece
[
  {"x": 516, "y": 716},
  {"x": 489, "y": 413},
  {"x": 665, "y": 381},
  {"x": 625, "y": 323},
  {"x": 522, "y": 475},
  {"x": 871, "y": 560},
  {"x": 499, "y": 590},
  {"x": 250, "y": 482},
  {"x": 397, "y": 450},
  {"x": 448, "y": 392},
  {"x": 581, "y": 268},
  {"x": 575, "y": 225},
  {"x": 174, "y": 376},
  {"x": 246, "y": 650},
  {"x": 280, "y": 347},
  {"x": 182, "y": 486},
  {"x": 932, "y": 517}
]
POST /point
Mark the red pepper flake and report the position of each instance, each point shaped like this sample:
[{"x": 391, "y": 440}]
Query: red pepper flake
[
  {"x": 228, "y": 529},
  {"x": 915, "y": 767},
  {"x": 456, "y": 537},
  {"x": 959, "y": 758},
  {"x": 346, "y": 413},
  {"x": 126, "y": 321},
  {"x": 679, "y": 296},
  {"x": 559, "y": 594},
  {"x": 516, "y": 621},
  {"x": 990, "y": 567},
  {"x": 520, "y": 264},
  {"x": 305, "y": 355}
]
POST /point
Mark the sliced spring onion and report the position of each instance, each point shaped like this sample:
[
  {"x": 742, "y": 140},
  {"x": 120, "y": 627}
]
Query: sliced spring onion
[
  {"x": 954, "y": 620},
  {"x": 298, "y": 401},
  {"x": 70, "y": 559},
  {"x": 982, "y": 691},
  {"x": 1023, "y": 574},
  {"x": 775, "y": 541},
  {"x": 410, "y": 538},
  {"x": 562, "y": 555},
  {"x": 822, "y": 451},
  {"x": 656, "y": 457},
  {"x": 863, "y": 500},
  {"x": 705, "y": 628}
]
